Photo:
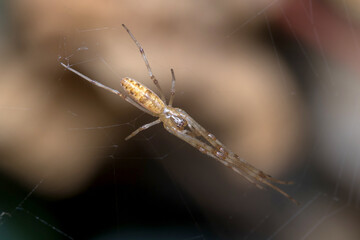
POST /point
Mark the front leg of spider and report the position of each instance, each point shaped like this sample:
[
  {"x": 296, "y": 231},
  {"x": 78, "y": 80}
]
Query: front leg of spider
[{"x": 212, "y": 147}]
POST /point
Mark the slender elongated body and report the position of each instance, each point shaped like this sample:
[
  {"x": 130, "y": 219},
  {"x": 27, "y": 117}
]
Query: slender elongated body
[
  {"x": 143, "y": 95},
  {"x": 179, "y": 123}
]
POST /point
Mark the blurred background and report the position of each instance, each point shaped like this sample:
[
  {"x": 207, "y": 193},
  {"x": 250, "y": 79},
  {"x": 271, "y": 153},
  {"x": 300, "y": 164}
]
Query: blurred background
[{"x": 276, "y": 81}]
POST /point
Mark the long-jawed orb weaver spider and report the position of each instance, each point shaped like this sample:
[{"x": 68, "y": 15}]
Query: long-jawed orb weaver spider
[{"x": 179, "y": 123}]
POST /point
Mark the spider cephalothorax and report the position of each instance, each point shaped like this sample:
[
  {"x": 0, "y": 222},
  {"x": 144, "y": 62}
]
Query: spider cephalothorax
[{"x": 172, "y": 117}]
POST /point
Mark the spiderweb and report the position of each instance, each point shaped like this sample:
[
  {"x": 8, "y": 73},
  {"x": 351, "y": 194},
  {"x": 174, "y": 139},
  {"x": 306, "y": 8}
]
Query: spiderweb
[{"x": 68, "y": 173}]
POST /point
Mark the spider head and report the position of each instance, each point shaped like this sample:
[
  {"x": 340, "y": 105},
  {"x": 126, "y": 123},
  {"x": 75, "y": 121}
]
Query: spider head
[
  {"x": 179, "y": 122},
  {"x": 174, "y": 118}
]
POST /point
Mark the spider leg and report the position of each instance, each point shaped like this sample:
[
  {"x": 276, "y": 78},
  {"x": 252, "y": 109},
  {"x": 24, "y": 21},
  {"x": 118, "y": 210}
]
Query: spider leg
[
  {"x": 153, "y": 78},
  {"x": 194, "y": 132},
  {"x": 201, "y": 130},
  {"x": 218, "y": 145},
  {"x": 144, "y": 127},
  {"x": 172, "y": 91},
  {"x": 260, "y": 176},
  {"x": 93, "y": 81},
  {"x": 96, "y": 83},
  {"x": 222, "y": 153},
  {"x": 209, "y": 150}
]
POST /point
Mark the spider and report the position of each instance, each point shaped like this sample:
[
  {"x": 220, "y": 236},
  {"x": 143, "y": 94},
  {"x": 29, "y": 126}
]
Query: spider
[{"x": 182, "y": 125}]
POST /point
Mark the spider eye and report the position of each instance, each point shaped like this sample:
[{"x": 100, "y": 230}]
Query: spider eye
[{"x": 180, "y": 122}]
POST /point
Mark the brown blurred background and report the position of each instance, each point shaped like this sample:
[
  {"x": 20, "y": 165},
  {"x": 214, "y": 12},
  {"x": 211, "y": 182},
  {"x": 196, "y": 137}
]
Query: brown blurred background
[{"x": 276, "y": 81}]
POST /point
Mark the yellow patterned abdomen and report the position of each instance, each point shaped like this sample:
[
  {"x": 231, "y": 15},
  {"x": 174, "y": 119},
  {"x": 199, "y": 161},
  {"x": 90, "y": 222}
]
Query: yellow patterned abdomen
[{"x": 143, "y": 95}]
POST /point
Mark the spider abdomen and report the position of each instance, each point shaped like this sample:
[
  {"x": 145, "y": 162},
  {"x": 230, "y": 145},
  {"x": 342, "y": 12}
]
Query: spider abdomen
[{"x": 143, "y": 95}]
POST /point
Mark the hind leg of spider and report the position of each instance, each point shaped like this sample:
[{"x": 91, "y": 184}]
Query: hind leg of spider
[
  {"x": 146, "y": 126},
  {"x": 153, "y": 78},
  {"x": 98, "y": 84},
  {"x": 172, "y": 91}
]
